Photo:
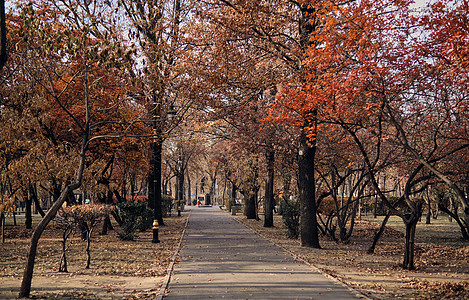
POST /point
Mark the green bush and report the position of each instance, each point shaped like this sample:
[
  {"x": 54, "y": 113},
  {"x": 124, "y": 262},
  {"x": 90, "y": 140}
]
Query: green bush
[
  {"x": 291, "y": 217},
  {"x": 134, "y": 216},
  {"x": 145, "y": 221},
  {"x": 166, "y": 201}
]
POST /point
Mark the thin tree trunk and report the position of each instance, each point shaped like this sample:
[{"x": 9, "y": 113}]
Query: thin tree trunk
[
  {"x": 269, "y": 191},
  {"x": 88, "y": 248},
  {"x": 33, "y": 193},
  {"x": 63, "y": 267},
  {"x": 429, "y": 212},
  {"x": 379, "y": 233},
  {"x": 28, "y": 214},
  {"x": 25, "y": 289},
  {"x": 2, "y": 224},
  {"x": 29, "y": 268},
  {"x": 181, "y": 188}
]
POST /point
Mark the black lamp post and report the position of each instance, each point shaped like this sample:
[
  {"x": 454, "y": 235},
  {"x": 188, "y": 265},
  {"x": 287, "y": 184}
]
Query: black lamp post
[
  {"x": 157, "y": 146},
  {"x": 180, "y": 183}
]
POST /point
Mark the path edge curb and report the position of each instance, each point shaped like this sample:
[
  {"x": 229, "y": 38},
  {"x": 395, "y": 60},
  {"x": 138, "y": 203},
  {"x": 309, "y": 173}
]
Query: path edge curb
[
  {"x": 302, "y": 260},
  {"x": 169, "y": 271}
]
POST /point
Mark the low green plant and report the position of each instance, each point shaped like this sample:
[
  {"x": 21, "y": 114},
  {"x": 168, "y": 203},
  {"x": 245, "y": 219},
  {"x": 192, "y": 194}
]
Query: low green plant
[
  {"x": 166, "y": 201},
  {"x": 145, "y": 221},
  {"x": 131, "y": 213},
  {"x": 291, "y": 217}
]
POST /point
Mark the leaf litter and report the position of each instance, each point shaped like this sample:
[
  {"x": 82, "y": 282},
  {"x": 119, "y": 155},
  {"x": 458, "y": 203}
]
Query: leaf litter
[{"x": 119, "y": 269}]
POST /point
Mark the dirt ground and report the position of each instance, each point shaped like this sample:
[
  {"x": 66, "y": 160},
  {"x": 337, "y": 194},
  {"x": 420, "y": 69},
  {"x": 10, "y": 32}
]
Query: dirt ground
[
  {"x": 136, "y": 269},
  {"x": 442, "y": 259},
  {"x": 119, "y": 269}
]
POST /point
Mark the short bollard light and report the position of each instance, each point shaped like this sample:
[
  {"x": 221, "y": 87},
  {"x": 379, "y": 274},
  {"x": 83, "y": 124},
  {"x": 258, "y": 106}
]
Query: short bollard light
[
  {"x": 155, "y": 232},
  {"x": 179, "y": 208}
]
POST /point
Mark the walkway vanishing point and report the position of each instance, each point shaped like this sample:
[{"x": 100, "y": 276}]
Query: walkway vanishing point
[{"x": 222, "y": 259}]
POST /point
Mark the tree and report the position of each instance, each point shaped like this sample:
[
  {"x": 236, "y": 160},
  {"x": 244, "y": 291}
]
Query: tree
[
  {"x": 249, "y": 49},
  {"x": 89, "y": 215},
  {"x": 3, "y": 36},
  {"x": 156, "y": 28},
  {"x": 67, "y": 223},
  {"x": 374, "y": 90},
  {"x": 7, "y": 206},
  {"x": 79, "y": 53}
]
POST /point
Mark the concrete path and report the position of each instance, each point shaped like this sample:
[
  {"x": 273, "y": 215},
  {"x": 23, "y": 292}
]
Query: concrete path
[{"x": 222, "y": 259}]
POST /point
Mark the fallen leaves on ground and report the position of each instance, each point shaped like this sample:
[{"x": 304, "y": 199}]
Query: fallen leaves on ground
[
  {"x": 117, "y": 271},
  {"x": 442, "y": 271}
]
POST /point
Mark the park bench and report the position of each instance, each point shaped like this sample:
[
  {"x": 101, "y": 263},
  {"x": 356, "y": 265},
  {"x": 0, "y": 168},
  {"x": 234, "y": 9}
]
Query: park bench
[{"x": 235, "y": 209}]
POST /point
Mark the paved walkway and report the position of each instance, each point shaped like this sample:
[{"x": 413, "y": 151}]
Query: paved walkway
[{"x": 222, "y": 259}]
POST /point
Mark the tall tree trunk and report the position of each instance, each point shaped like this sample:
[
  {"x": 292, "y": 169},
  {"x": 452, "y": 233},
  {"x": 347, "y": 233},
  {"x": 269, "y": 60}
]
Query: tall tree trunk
[
  {"x": 28, "y": 214},
  {"x": 269, "y": 191},
  {"x": 181, "y": 187},
  {"x": 309, "y": 233},
  {"x": 33, "y": 193},
  {"x": 156, "y": 180},
  {"x": 250, "y": 205},
  {"x": 25, "y": 289},
  {"x": 189, "y": 195}
]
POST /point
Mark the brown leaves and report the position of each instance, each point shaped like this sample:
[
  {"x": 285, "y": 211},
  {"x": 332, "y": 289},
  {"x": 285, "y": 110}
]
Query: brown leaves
[
  {"x": 123, "y": 270},
  {"x": 379, "y": 275},
  {"x": 440, "y": 290}
]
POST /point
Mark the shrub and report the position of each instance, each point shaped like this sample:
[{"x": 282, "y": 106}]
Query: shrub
[
  {"x": 130, "y": 212},
  {"x": 88, "y": 216},
  {"x": 291, "y": 217},
  {"x": 145, "y": 221},
  {"x": 166, "y": 202}
]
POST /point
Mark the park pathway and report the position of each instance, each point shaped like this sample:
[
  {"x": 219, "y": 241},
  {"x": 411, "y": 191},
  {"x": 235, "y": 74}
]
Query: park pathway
[{"x": 222, "y": 259}]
